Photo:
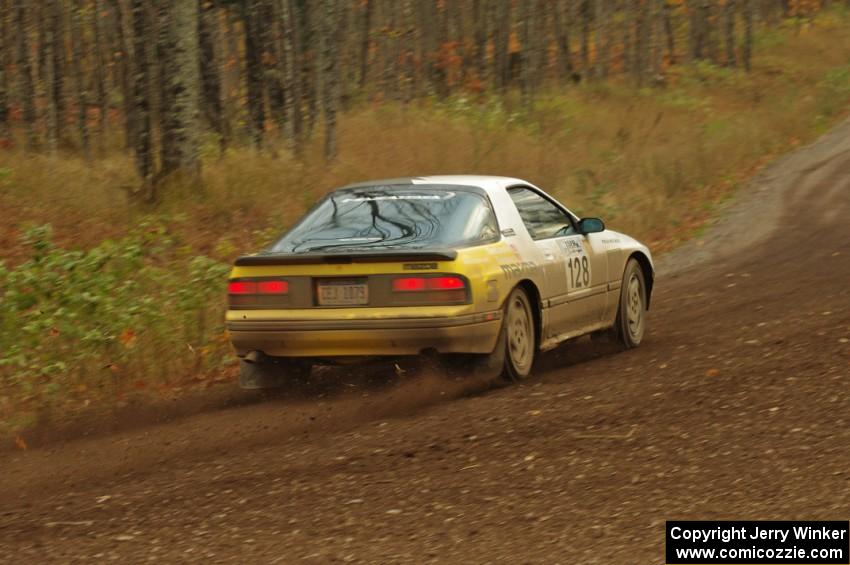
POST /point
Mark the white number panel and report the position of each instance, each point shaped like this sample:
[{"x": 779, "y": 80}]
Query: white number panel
[{"x": 577, "y": 263}]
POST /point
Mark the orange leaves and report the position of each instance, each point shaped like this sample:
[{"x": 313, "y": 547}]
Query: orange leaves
[
  {"x": 20, "y": 443},
  {"x": 127, "y": 338}
]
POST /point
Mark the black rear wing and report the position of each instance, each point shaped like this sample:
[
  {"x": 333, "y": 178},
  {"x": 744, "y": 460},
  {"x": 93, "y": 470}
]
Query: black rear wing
[{"x": 411, "y": 256}]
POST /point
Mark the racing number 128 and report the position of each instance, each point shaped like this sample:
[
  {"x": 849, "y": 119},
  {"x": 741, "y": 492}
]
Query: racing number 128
[{"x": 579, "y": 273}]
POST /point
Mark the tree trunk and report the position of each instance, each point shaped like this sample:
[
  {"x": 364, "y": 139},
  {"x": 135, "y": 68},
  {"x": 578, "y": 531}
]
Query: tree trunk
[
  {"x": 603, "y": 39},
  {"x": 79, "y": 48},
  {"x": 586, "y": 19},
  {"x": 292, "y": 55},
  {"x": 527, "y": 52},
  {"x": 186, "y": 88},
  {"x": 669, "y": 33},
  {"x": 99, "y": 64},
  {"x": 254, "y": 73},
  {"x": 272, "y": 65},
  {"x": 699, "y": 28},
  {"x": 479, "y": 15},
  {"x": 566, "y": 70},
  {"x": 141, "y": 102},
  {"x": 330, "y": 80},
  {"x": 729, "y": 32},
  {"x": 26, "y": 87},
  {"x": 642, "y": 33},
  {"x": 52, "y": 89},
  {"x": 5, "y": 44},
  {"x": 501, "y": 45},
  {"x": 127, "y": 72},
  {"x": 657, "y": 15},
  {"x": 747, "y": 50},
  {"x": 208, "y": 38},
  {"x": 626, "y": 30},
  {"x": 365, "y": 38}
]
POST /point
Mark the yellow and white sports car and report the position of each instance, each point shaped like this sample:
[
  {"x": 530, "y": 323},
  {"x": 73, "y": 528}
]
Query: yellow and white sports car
[{"x": 489, "y": 266}]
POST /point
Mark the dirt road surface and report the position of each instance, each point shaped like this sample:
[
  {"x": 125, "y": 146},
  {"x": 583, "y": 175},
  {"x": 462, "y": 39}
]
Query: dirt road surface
[{"x": 735, "y": 407}]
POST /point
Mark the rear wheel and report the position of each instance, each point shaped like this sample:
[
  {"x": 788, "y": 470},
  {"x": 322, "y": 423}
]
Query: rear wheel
[
  {"x": 517, "y": 336},
  {"x": 631, "y": 315},
  {"x": 272, "y": 372}
]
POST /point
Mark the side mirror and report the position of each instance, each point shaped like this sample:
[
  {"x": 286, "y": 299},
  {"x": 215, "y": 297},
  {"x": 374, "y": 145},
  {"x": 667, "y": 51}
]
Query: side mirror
[{"x": 590, "y": 225}]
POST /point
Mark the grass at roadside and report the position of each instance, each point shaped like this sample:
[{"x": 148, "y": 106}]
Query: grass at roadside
[{"x": 115, "y": 300}]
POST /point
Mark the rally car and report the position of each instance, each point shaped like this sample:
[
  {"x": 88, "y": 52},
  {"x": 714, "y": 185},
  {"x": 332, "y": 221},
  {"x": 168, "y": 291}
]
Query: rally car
[{"x": 490, "y": 267}]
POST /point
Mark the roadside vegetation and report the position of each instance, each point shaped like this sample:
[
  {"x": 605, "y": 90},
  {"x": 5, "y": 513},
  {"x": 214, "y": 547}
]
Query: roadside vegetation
[{"x": 104, "y": 298}]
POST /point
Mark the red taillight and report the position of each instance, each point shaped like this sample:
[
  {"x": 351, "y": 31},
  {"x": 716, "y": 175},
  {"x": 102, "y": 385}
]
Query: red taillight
[
  {"x": 258, "y": 287},
  {"x": 273, "y": 287},
  {"x": 446, "y": 283},
  {"x": 241, "y": 287},
  {"x": 407, "y": 284}
]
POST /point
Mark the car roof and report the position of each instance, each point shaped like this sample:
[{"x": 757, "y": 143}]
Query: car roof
[{"x": 486, "y": 182}]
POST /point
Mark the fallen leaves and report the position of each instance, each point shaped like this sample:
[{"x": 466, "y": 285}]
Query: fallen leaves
[
  {"x": 127, "y": 338},
  {"x": 20, "y": 443}
]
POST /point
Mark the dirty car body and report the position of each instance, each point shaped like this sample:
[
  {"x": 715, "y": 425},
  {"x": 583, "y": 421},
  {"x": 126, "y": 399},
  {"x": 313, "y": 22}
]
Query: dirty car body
[{"x": 427, "y": 264}]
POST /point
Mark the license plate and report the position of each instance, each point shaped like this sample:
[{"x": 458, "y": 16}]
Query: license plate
[{"x": 343, "y": 293}]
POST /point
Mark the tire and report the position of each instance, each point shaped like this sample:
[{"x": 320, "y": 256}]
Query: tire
[
  {"x": 271, "y": 372},
  {"x": 631, "y": 314},
  {"x": 517, "y": 343}
]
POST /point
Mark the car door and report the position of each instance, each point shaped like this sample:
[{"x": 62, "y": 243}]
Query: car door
[{"x": 576, "y": 273}]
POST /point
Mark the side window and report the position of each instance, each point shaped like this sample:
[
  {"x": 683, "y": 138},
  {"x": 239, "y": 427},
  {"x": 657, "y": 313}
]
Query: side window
[{"x": 541, "y": 217}]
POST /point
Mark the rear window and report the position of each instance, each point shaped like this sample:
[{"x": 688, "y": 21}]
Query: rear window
[{"x": 404, "y": 217}]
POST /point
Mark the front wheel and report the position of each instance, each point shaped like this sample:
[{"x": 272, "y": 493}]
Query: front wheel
[
  {"x": 631, "y": 315},
  {"x": 271, "y": 372}
]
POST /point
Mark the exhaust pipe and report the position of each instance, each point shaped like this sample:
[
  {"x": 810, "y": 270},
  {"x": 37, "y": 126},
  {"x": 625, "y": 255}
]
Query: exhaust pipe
[{"x": 254, "y": 357}]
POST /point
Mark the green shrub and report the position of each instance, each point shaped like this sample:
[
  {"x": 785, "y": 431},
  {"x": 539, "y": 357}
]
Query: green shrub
[{"x": 140, "y": 307}]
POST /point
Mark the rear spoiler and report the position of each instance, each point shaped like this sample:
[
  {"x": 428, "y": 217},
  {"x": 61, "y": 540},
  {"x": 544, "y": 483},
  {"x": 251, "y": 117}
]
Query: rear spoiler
[{"x": 414, "y": 256}]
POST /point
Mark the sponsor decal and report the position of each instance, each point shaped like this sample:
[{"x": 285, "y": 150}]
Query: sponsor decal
[
  {"x": 419, "y": 266},
  {"x": 571, "y": 246},
  {"x": 516, "y": 270},
  {"x": 441, "y": 196}
]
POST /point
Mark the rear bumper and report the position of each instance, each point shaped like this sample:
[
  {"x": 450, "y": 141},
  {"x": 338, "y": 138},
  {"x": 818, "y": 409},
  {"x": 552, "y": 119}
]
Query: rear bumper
[{"x": 473, "y": 333}]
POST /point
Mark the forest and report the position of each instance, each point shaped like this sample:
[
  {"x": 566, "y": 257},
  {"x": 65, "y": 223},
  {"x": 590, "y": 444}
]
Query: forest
[{"x": 165, "y": 76}]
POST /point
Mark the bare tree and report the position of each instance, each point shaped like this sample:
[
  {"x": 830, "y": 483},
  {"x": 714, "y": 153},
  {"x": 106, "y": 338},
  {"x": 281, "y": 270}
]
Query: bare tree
[
  {"x": 586, "y": 8},
  {"x": 729, "y": 31},
  {"x": 141, "y": 101},
  {"x": 330, "y": 78},
  {"x": 210, "y": 65},
  {"x": 124, "y": 48},
  {"x": 186, "y": 88},
  {"x": 365, "y": 40},
  {"x": 603, "y": 39},
  {"x": 254, "y": 72},
  {"x": 561, "y": 22},
  {"x": 292, "y": 56},
  {"x": 26, "y": 88},
  {"x": 480, "y": 32},
  {"x": 669, "y": 33},
  {"x": 5, "y": 43},
  {"x": 50, "y": 47},
  {"x": 501, "y": 44},
  {"x": 747, "y": 50},
  {"x": 79, "y": 47},
  {"x": 100, "y": 73}
]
